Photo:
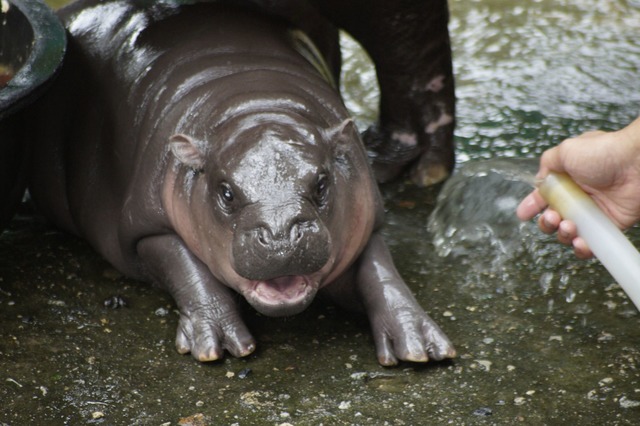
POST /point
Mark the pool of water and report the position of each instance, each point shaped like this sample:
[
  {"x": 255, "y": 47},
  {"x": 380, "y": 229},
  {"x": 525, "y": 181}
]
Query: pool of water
[{"x": 542, "y": 338}]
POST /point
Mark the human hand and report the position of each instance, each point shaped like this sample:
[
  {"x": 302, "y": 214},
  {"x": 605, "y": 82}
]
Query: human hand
[{"x": 606, "y": 166}]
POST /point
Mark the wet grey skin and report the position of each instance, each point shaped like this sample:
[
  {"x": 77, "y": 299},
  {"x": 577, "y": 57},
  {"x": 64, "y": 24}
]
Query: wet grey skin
[{"x": 194, "y": 147}]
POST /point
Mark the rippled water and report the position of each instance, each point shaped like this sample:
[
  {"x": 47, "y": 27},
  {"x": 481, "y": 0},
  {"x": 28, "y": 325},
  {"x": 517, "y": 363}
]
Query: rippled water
[{"x": 530, "y": 74}]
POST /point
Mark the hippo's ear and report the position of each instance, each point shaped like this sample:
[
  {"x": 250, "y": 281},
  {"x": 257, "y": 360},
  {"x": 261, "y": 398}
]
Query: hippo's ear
[
  {"x": 340, "y": 138},
  {"x": 340, "y": 131},
  {"x": 184, "y": 148}
]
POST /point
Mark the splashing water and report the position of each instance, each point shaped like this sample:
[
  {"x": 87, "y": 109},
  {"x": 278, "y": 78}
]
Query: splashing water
[{"x": 474, "y": 222}]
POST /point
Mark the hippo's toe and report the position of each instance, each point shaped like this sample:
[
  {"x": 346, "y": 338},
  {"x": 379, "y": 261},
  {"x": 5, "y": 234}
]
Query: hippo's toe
[{"x": 206, "y": 339}]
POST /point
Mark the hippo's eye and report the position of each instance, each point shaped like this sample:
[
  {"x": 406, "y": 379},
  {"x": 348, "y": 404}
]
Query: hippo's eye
[
  {"x": 321, "y": 187},
  {"x": 226, "y": 193}
]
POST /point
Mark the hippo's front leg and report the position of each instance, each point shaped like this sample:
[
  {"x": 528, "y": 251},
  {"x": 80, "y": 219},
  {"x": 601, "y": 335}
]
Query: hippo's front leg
[
  {"x": 209, "y": 318},
  {"x": 401, "y": 329}
]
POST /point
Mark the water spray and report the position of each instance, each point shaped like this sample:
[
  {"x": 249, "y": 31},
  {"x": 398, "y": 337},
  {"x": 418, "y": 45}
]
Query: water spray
[{"x": 605, "y": 240}]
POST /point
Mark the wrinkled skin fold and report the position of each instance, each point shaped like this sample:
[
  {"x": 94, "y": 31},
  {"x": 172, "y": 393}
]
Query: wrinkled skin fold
[{"x": 195, "y": 148}]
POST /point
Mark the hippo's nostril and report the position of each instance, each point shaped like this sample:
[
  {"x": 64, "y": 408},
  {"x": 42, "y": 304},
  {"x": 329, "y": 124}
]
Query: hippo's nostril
[
  {"x": 296, "y": 232},
  {"x": 281, "y": 236},
  {"x": 263, "y": 236}
]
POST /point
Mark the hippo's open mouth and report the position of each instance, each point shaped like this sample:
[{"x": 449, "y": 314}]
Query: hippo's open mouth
[{"x": 282, "y": 296}]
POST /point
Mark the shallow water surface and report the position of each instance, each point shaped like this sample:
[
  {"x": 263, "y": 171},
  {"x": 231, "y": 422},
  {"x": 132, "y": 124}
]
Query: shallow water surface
[{"x": 542, "y": 338}]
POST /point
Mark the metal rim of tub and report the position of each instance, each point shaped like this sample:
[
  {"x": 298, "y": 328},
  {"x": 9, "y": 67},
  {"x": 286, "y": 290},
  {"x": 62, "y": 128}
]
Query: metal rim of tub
[{"x": 44, "y": 58}]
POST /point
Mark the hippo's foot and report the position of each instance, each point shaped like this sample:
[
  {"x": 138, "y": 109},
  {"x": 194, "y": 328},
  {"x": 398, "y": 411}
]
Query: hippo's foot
[
  {"x": 401, "y": 329},
  {"x": 206, "y": 333},
  {"x": 394, "y": 153},
  {"x": 428, "y": 171},
  {"x": 409, "y": 335},
  {"x": 209, "y": 318}
]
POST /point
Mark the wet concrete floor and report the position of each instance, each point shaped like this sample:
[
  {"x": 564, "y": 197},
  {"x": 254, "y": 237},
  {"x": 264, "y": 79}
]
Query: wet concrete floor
[{"x": 536, "y": 345}]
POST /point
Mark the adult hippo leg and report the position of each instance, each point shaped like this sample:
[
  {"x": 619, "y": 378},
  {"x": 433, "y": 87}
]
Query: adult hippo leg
[
  {"x": 408, "y": 41},
  {"x": 401, "y": 329},
  {"x": 209, "y": 319}
]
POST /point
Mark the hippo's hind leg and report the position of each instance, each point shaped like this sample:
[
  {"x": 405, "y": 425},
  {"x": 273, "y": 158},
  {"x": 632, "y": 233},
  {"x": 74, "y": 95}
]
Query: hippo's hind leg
[
  {"x": 401, "y": 329},
  {"x": 209, "y": 318},
  {"x": 408, "y": 41}
]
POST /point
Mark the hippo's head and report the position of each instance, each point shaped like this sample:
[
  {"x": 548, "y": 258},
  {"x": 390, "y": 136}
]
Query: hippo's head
[{"x": 282, "y": 216}]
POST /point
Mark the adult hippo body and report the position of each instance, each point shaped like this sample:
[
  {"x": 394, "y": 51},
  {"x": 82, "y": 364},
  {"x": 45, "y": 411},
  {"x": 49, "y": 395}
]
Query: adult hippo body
[{"x": 195, "y": 147}]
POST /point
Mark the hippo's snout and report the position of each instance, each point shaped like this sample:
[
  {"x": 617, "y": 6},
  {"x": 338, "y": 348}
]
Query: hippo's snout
[{"x": 277, "y": 248}]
